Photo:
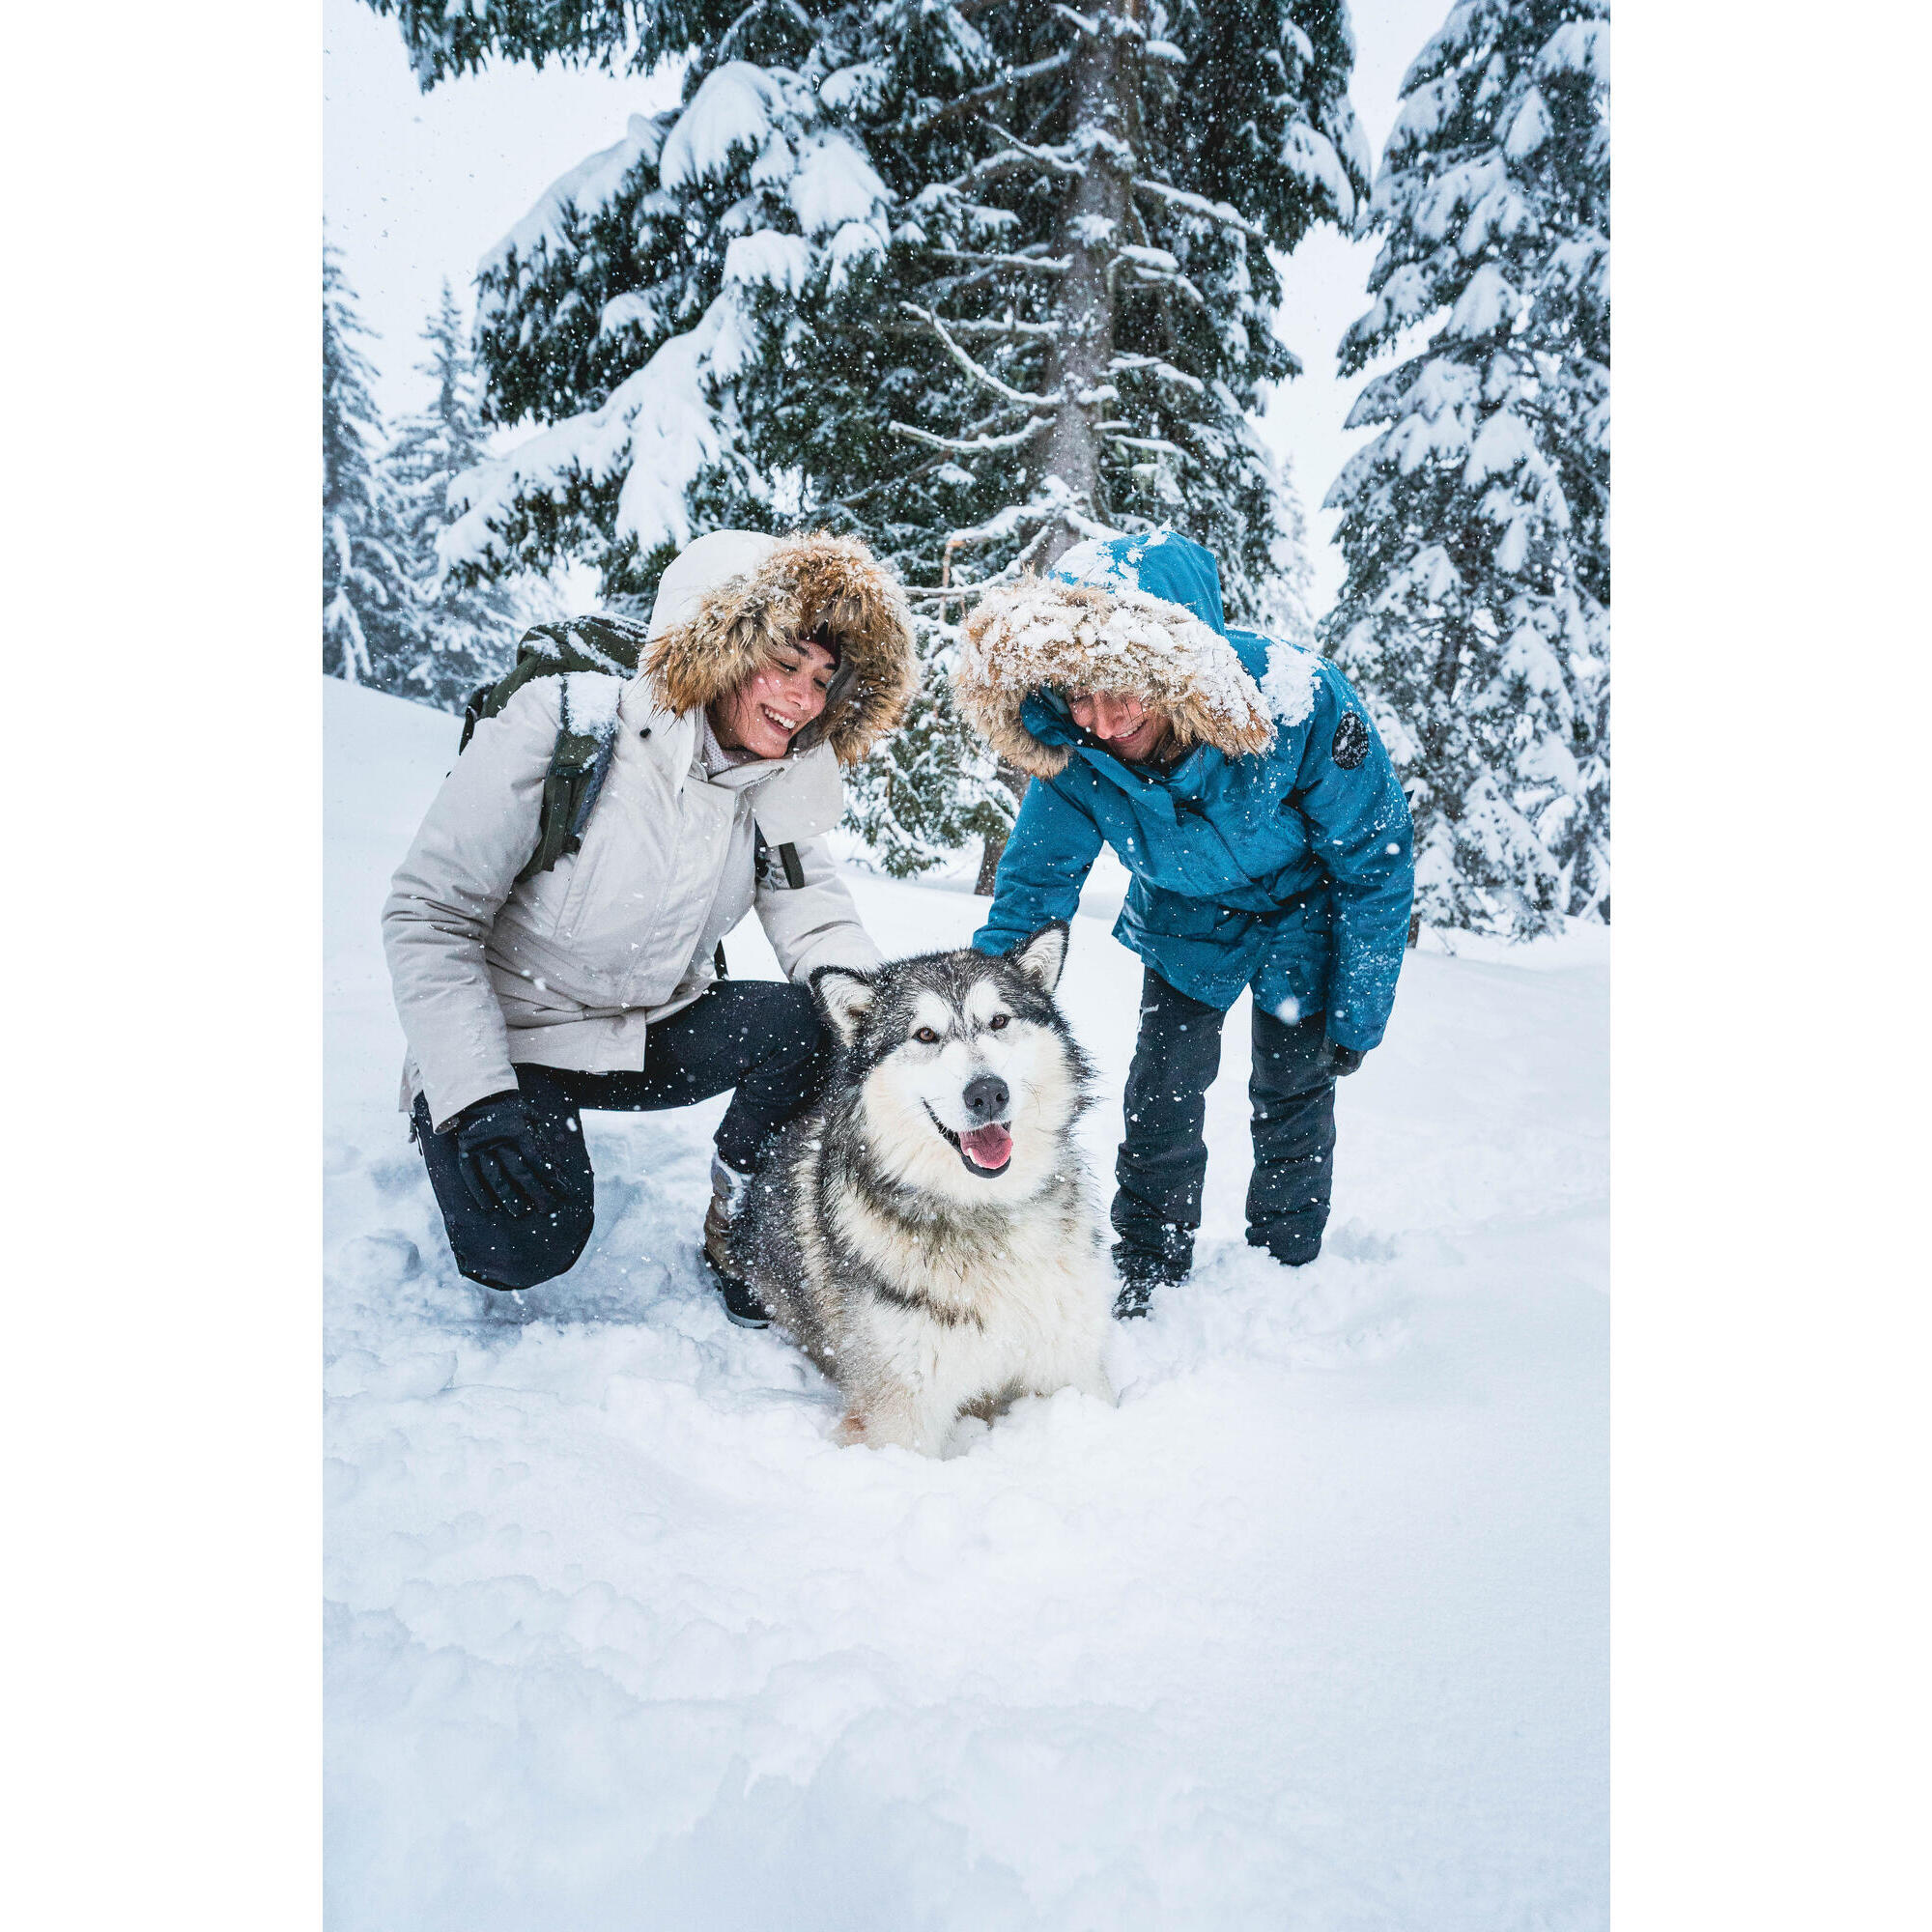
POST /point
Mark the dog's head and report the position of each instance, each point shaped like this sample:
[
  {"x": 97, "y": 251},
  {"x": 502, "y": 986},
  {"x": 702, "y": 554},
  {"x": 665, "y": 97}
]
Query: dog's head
[{"x": 967, "y": 1074}]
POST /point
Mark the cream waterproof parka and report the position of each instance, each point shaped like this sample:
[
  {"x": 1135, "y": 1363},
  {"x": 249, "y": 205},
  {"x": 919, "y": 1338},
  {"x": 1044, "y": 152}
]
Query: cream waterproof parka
[{"x": 571, "y": 967}]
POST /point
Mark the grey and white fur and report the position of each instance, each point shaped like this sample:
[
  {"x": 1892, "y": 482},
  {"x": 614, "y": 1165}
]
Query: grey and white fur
[{"x": 928, "y": 1233}]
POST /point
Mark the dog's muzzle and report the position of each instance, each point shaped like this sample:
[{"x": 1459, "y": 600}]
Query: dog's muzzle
[{"x": 988, "y": 1149}]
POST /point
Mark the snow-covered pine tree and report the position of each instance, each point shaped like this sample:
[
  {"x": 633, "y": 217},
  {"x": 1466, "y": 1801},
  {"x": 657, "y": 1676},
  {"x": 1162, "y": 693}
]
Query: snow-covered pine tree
[
  {"x": 368, "y": 613},
  {"x": 466, "y": 631},
  {"x": 973, "y": 280},
  {"x": 1476, "y": 609}
]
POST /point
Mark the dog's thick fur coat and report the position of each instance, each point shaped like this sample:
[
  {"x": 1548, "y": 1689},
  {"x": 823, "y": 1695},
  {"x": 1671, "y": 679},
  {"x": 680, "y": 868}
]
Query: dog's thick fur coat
[{"x": 923, "y": 1281}]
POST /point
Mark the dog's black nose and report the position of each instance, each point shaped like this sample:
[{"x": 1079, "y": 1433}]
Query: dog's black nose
[{"x": 986, "y": 1097}]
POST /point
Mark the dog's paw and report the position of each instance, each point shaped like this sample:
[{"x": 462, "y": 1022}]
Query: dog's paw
[{"x": 851, "y": 1428}]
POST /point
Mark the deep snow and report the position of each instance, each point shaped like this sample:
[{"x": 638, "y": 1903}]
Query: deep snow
[{"x": 1310, "y": 1631}]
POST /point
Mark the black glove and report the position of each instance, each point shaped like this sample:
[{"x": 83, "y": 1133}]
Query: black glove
[
  {"x": 502, "y": 1157},
  {"x": 1337, "y": 1061}
]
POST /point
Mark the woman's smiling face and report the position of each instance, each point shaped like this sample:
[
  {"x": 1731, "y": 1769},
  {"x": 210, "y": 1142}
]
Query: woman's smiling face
[{"x": 772, "y": 706}]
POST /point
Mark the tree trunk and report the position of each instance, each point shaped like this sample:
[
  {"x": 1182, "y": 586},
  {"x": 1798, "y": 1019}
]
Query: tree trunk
[
  {"x": 1105, "y": 84},
  {"x": 994, "y": 846},
  {"x": 991, "y": 851}
]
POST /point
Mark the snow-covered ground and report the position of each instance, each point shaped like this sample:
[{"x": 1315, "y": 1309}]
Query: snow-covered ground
[{"x": 1310, "y": 1631}]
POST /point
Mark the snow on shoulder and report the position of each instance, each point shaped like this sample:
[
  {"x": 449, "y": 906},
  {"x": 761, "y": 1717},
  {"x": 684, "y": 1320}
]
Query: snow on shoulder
[
  {"x": 1290, "y": 680},
  {"x": 589, "y": 702}
]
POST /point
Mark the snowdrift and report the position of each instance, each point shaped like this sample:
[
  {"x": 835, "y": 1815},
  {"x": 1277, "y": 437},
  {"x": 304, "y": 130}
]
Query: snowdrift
[{"x": 1312, "y": 1630}]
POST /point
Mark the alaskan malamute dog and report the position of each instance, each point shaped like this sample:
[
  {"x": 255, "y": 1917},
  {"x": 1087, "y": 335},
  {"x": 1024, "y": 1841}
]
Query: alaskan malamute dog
[{"x": 927, "y": 1232}]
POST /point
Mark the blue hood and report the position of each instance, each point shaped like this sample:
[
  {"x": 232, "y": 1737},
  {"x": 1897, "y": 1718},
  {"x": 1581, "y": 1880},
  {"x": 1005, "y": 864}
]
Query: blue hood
[
  {"x": 1138, "y": 614},
  {"x": 1162, "y": 563}
]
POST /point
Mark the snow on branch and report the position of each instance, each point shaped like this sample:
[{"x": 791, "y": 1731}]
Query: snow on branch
[
  {"x": 1113, "y": 433},
  {"x": 1194, "y": 204},
  {"x": 799, "y": 17},
  {"x": 978, "y": 96},
  {"x": 1046, "y": 265},
  {"x": 1016, "y": 156},
  {"x": 973, "y": 445},
  {"x": 586, "y": 190},
  {"x": 1053, "y": 506},
  {"x": 980, "y": 374},
  {"x": 1012, "y": 330},
  {"x": 654, "y": 430},
  {"x": 1164, "y": 372},
  {"x": 1154, "y": 262},
  {"x": 1147, "y": 275},
  {"x": 1028, "y": 551},
  {"x": 736, "y": 109}
]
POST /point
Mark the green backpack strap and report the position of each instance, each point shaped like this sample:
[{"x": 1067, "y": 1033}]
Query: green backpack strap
[
  {"x": 578, "y": 763},
  {"x": 607, "y": 649}
]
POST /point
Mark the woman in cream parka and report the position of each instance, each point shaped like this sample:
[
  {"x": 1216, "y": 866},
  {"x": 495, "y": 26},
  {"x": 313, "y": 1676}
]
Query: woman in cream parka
[{"x": 525, "y": 999}]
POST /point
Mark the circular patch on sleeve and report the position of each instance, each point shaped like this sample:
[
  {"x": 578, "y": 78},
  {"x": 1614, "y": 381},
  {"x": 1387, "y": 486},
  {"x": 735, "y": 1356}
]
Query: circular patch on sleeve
[{"x": 1351, "y": 741}]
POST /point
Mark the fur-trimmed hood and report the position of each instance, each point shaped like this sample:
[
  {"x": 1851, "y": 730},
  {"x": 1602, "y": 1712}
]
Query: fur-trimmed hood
[
  {"x": 1139, "y": 616},
  {"x": 732, "y": 598}
]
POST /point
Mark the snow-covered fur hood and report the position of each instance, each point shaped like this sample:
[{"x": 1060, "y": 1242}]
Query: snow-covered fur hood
[
  {"x": 1138, "y": 616},
  {"x": 733, "y": 598}
]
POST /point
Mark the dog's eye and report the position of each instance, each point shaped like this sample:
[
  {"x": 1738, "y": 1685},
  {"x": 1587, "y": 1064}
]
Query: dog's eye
[
  {"x": 998, "y": 1021},
  {"x": 927, "y": 1035}
]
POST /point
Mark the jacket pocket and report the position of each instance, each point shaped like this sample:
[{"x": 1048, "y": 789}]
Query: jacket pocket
[{"x": 1171, "y": 915}]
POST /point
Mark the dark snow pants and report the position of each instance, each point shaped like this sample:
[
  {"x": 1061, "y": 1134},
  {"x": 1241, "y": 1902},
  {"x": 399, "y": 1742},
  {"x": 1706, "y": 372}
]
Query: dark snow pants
[
  {"x": 760, "y": 1036},
  {"x": 1163, "y": 1160}
]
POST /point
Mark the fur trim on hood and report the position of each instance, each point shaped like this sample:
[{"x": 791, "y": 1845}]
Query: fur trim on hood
[
  {"x": 1043, "y": 632},
  {"x": 731, "y": 629}
]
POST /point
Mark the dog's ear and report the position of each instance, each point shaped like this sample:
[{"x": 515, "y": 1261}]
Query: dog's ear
[
  {"x": 845, "y": 998},
  {"x": 1042, "y": 956}
]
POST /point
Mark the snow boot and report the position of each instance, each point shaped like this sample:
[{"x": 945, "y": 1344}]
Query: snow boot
[
  {"x": 728, "y": 1188},
  {"x": 1141, "y": 1273}
]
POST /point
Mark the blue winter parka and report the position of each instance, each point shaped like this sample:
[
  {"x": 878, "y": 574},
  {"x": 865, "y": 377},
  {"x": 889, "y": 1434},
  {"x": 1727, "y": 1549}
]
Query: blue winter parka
[{"x": 1289, "y": 867}]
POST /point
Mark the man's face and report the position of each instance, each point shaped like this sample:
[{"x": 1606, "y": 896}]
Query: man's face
[
  {"x": 1127, "y": 728},
  {"x": 771, "y": 707}
]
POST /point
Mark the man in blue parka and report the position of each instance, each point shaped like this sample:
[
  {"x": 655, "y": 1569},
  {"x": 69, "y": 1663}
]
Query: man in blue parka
[{"x": 1243, "y": 785}]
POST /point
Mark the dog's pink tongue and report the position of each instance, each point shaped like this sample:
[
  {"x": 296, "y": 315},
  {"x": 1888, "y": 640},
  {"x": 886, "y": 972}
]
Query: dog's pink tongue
[{"x": 988, "y": 1147}]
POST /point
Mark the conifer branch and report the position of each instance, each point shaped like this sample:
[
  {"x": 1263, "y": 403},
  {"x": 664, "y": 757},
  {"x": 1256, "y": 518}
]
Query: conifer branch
[
  {"x": 977, "y": 97},
  {"x": 1046, "y": 265},
  {"x": 1194, "y": 204},
  {"x": 1113, "y": 433},
  {"x": 942, "y": 594},
  {"x": 799, "y": 17},
  {"x": 1159, "y": 278},
  {"x": 983, "y": 376},
  {"x": 1165, "y": 372},
  {"x": 1013, "y": 160},
  {"x": 975, "y": 444},
  {"x": 1005, "y": 331}
]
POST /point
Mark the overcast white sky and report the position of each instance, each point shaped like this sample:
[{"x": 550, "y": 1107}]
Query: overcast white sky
[{"x": 416, "y": 186}]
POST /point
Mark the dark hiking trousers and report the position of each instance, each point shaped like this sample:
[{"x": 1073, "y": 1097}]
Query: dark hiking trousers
[
  {"x": 1163, "y": 1160},
  {"x": 760, "y": 1036}
]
